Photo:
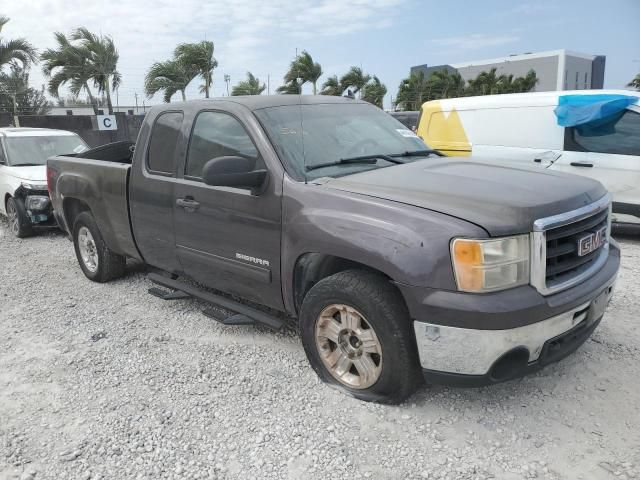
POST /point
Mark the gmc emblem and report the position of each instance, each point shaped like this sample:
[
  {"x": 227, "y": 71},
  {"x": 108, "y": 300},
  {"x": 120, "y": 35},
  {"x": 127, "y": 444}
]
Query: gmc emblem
[{"x": 592, "y": 242}]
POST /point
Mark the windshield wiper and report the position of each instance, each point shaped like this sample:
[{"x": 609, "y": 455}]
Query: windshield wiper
[
  {"x": 418, "y": 153},
  {"x": 26, "y": 165},
  {"x": 373, "y": 158}
]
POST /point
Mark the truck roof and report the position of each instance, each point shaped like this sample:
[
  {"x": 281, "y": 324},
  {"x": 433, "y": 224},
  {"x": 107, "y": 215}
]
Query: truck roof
[
  {"x": 257, "y": 102},
  {"x": 33, "y": 132},
  {"x": 531, "y": 99}
]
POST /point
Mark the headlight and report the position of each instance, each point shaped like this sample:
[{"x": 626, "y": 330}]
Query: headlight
[
  {"x": 34, "y": 186},
  {"x": 36, "y": 202},
  {"x": 492, "y": 264}
]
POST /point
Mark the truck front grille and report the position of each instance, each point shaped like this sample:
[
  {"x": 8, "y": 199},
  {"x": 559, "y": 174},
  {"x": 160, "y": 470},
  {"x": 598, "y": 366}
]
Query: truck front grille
[
  {"x": 568, "y": 248},
  {"x": 563, "y": 259}
]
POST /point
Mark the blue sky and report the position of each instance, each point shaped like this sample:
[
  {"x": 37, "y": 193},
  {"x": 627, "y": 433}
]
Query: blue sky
[{"x": 385, "y": 37}]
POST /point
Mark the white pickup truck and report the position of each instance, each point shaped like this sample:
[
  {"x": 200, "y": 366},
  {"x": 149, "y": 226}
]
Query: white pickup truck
[{"x": 23, "y": 174}]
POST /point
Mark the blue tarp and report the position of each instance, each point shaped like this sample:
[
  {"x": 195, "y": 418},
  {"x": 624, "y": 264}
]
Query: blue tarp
[{"x": 575, "y": 110}]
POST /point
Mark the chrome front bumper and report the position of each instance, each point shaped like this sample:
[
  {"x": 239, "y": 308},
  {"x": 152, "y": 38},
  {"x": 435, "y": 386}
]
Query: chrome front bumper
[{"x": 464, "y": 351}]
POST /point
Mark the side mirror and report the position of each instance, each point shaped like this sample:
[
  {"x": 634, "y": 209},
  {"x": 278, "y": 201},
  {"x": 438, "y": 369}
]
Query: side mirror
[{"x": 233, "y": 171}]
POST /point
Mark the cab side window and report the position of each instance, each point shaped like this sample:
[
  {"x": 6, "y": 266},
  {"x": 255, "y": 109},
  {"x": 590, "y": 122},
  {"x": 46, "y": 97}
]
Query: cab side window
[
  {"x": 217, "y": 134},
  {"x": 3, "y": 160},
  {"x": 618, "y": 135},
  {"x": 164, "y": 138}
]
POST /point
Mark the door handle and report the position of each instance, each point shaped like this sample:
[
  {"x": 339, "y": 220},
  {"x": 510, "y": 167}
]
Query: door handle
[
  {"x": 188, "y": 204},
  {"x": 581, "y": 164}
]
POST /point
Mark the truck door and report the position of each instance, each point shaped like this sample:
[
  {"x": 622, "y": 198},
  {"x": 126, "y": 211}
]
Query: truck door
[
  {"x": 608, "y": 151},
  {"x": 228, "y": 238},
  {"x": 151, "y": 200}
]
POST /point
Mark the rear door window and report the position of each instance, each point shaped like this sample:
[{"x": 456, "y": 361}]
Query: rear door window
[
  {"x": 161, "y": 156},
  {"x": 619, "y": 134}
]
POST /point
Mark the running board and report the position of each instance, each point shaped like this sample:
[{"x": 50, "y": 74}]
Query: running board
[
  {"x": 245, "y": 314},
  {"x": 164, "y": 295}
]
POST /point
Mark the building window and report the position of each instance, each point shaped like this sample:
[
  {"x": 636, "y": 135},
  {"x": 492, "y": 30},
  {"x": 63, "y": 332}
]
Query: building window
[{"x": 577, "y": 74}]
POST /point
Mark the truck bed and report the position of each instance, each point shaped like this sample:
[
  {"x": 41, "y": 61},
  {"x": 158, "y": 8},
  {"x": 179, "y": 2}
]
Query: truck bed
[{"x": 100, "y": 186}]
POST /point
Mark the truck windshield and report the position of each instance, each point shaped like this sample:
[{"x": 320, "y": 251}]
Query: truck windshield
[
  {"x": 35, "y": 150},
  {"x": 324, "y": 140}
]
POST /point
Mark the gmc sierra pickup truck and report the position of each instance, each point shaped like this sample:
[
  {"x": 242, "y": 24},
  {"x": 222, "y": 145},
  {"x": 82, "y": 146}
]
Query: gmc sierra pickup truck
[{"x": 398, "y": 264}]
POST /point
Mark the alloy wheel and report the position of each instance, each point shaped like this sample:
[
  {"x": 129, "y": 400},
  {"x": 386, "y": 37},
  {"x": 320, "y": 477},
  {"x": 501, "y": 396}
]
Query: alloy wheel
[
  {"x": 348, "y": 346},
  {"x": 88, "y": 249}
]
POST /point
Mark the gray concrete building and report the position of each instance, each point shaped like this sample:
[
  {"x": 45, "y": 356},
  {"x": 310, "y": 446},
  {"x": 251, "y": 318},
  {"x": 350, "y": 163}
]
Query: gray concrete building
[{"x": 556, "y": 69}]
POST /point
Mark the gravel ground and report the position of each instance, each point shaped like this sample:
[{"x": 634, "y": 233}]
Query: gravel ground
[{"x": 106, "y": 381}]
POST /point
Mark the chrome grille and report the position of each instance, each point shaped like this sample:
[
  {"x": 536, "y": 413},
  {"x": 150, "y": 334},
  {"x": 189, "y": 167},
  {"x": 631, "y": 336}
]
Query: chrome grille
[{"x": 556, "y": 262}]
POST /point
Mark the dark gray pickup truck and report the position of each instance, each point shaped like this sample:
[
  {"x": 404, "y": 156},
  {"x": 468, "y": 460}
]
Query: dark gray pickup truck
[{"x": 399, "y": 265}]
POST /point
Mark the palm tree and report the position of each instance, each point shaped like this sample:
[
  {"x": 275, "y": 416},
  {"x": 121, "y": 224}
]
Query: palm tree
[
  {"x": 332, "y": 86},
  {"x": 413, "y": 92},
  {"x": 70, "y": 64},
  {"x": 507, "y": 84},
  {"x": 250, "y": 86},
  {"x": 526, "y": 83},
  {"x": 374, "y": 91},
  {"x": 445, "y": 84},
  {"x": 635, "y": 83},
  {"x": 302, "y": 67},
  {"x": 200, "y": 56},
  {"x": 16, "y": 50},
  {"x": 355, "y": 79},
  {"x": 290, "y": 88},
  {"x": 102, "y": 61},
  {"x": 486, "y": 83},
  {"x": 21, "y": 98},
  {"x": 170, "y": 76}
]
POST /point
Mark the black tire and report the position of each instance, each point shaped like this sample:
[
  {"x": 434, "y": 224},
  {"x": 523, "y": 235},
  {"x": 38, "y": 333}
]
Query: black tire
[
  {"x": 383, "y": 308},
  {"x": 19, "y": 222},
  {"x": 109, "y": 264}
]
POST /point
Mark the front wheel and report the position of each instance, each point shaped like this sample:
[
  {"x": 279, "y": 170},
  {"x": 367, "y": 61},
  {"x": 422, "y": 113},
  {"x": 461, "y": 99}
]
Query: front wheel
[
  {"x": 98, "y": 262},
  {"x": 357, "y": 334},
  {"x": 19, "y": 223}
]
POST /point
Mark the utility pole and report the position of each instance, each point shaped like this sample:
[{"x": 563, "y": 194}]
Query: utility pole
[
  {"x": 136, "y": 95},
  {"x": 227, "y": 79}
]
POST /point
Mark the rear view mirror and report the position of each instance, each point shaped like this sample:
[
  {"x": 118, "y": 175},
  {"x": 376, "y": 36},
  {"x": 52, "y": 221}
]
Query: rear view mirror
[{"x": 233, "y": 171}]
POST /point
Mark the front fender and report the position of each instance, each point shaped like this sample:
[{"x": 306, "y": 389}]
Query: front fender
[{"x": 408, "y": 244}]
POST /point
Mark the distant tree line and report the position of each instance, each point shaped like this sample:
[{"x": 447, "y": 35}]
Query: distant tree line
[{"x": 417, "y": 89}]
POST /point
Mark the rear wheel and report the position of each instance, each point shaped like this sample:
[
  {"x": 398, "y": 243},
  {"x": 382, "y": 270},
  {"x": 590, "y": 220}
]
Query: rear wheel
[
  {"x": 19, "y": 223},
  {"x": 357, "y": 334},
  {"x": 97, "y": 261}
]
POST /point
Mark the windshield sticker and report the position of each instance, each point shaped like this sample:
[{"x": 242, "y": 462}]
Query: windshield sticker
[{"x": 406, "y": 133}]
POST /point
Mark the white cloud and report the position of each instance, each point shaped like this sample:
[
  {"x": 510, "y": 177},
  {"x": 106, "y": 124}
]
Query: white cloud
[
  {"x": 244, "y": 31},
  {"x": 475, "y": 41}
]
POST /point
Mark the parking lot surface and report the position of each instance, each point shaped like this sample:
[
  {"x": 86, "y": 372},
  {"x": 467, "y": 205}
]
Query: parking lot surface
[{"x": 106, "y": 381}]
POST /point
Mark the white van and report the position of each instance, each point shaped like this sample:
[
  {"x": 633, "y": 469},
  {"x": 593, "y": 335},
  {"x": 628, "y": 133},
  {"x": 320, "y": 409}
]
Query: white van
[{"x": 523, "y": 127}]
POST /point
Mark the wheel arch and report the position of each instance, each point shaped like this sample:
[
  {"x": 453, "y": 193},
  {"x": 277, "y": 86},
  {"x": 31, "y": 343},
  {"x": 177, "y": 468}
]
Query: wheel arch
[
  {"x": 311, "y": 267},
  {"x": 71, "y": 208}
]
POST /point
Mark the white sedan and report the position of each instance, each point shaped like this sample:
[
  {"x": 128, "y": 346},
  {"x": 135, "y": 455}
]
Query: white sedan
[{"x": 24, "y": 197}]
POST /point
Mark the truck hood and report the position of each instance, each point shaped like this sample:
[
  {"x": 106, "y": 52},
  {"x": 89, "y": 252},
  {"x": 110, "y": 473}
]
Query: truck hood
[
  {"x": 34, "y": 174},
  {"x": 502, "y": 199}
]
